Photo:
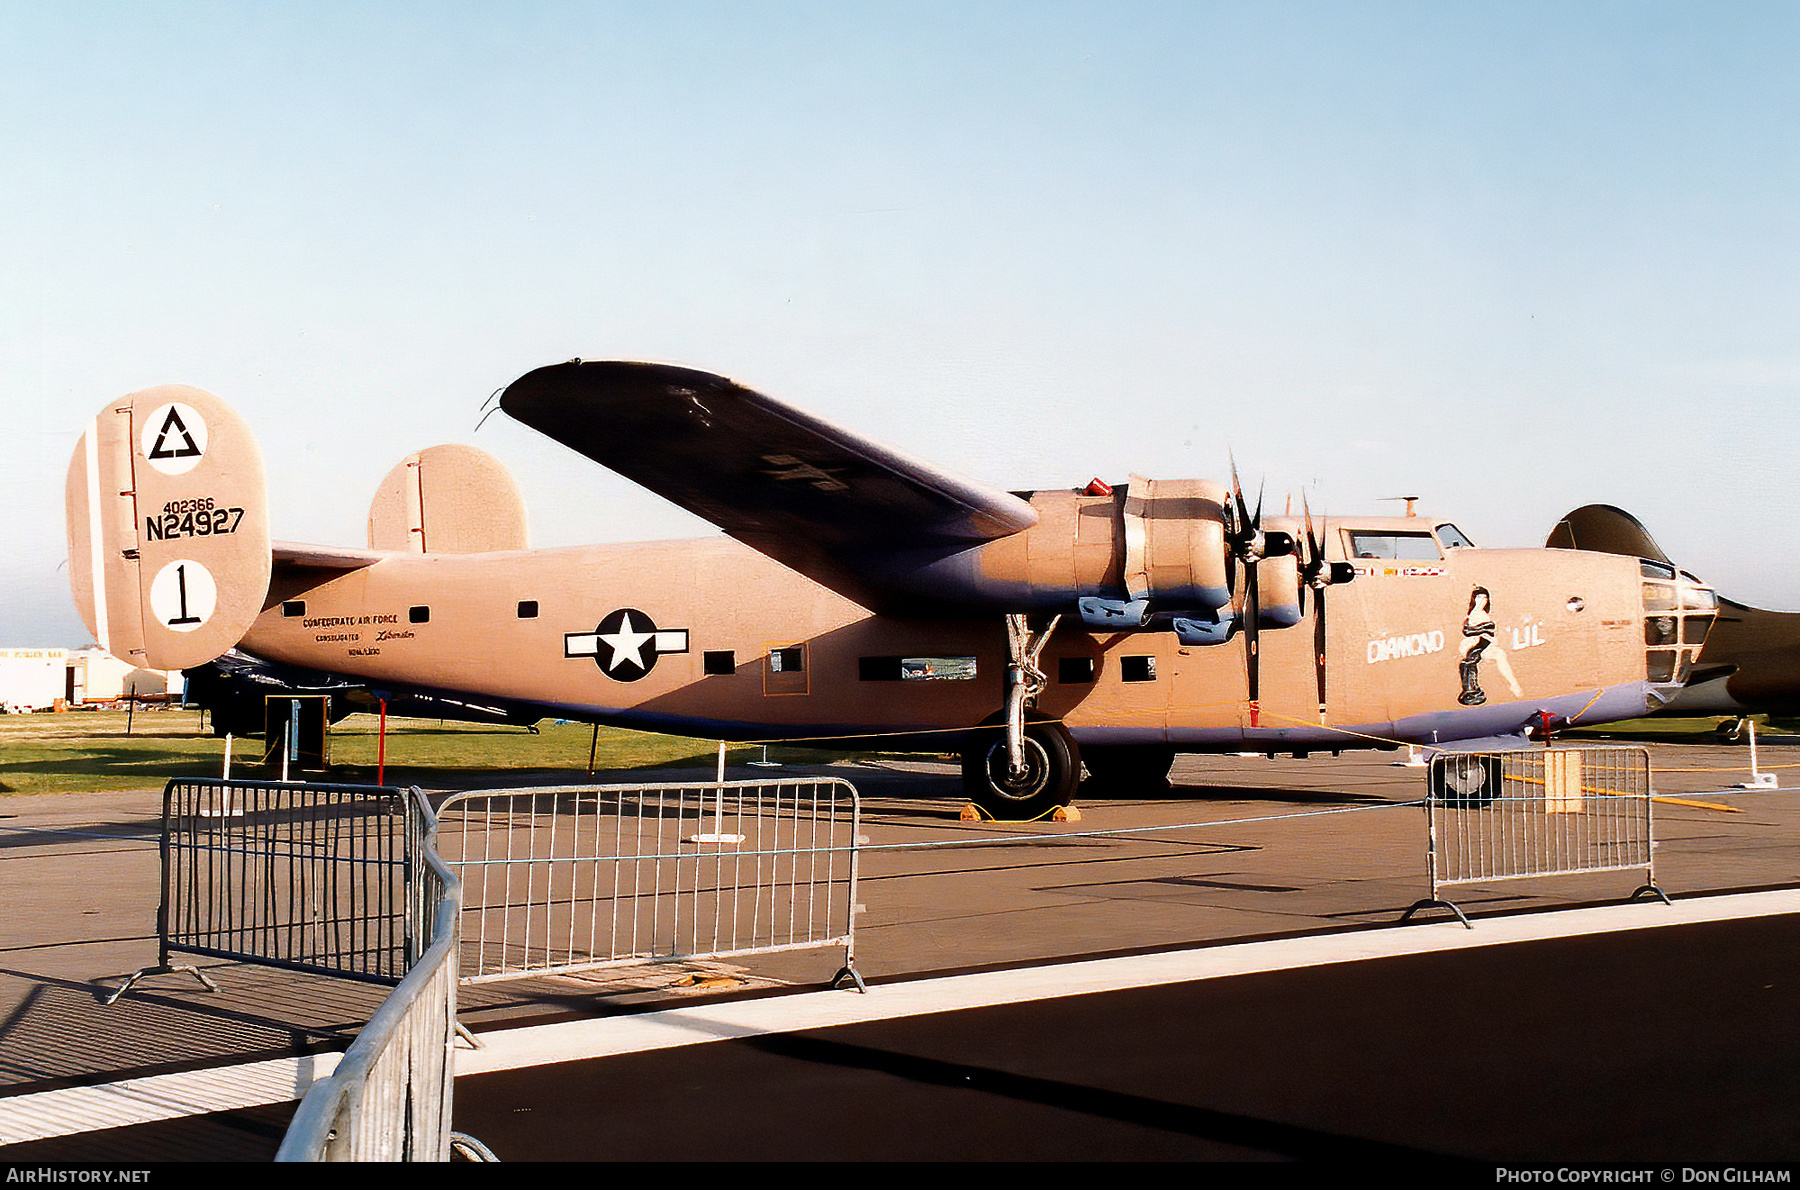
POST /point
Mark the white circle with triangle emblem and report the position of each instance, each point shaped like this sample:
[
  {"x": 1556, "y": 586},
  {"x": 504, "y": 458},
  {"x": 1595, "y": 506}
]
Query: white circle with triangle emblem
[
  {"x": 174, "y": 438},
  {"x": 183, "y": 595}
]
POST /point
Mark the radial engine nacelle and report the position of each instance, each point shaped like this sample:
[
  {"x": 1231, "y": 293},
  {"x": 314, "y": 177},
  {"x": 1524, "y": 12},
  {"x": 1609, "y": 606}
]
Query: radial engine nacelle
[{"x": 1131, "y": 558}]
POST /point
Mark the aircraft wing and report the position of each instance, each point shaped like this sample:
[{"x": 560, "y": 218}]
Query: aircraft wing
[{"x": 814, "y": 496}]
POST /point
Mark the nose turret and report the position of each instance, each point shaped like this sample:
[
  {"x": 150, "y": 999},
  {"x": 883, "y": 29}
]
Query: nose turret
[{"x": 1679, "y": 611}]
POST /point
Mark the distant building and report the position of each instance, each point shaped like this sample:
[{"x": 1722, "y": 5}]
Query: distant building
[
  {"x": 97, "y": 676},
  {"x": 33, "y": 679},
  {"x": 40, "y": 679}
]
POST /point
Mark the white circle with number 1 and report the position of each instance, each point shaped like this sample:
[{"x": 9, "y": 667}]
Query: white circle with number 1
[{"x": 183, "y": 595}]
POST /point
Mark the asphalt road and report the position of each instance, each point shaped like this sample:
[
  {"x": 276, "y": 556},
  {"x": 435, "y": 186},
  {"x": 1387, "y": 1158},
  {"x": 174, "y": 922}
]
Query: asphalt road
[{"x": 1679, "y": 1044}]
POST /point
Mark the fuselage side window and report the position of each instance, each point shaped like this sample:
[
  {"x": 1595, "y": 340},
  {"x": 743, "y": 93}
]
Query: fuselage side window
[
  {"x": 1075, "y": 670},
  {"x": 1140, "y": 668}
]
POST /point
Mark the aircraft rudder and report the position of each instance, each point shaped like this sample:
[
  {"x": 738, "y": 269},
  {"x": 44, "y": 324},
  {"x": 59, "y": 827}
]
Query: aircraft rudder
[
  {"x": 1606, "y": 529},
  {"x": 168, "y": 527}
]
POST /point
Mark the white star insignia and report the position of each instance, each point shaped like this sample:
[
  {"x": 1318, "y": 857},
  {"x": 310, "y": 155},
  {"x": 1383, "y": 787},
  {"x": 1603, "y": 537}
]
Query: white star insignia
[{"x": 627, "y": 643}]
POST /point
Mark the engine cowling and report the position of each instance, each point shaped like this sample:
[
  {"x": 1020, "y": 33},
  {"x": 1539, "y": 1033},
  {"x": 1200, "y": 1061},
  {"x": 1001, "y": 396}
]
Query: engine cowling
[
  {"x": 1278, "y": 579},
  {"x": 1118, "y": 560}
]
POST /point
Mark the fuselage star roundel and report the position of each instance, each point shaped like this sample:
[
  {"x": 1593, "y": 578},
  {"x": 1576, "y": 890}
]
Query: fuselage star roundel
[{"x": 859, "y": 597}]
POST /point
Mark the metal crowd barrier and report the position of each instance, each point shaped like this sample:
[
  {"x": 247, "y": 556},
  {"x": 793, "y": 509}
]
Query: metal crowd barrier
[
  {"x": 1536, "y": 812},
  {"x": 389, "y": 1097},
  {"x": 582, "y": 877},
  {"x": 308, "y": 877}
]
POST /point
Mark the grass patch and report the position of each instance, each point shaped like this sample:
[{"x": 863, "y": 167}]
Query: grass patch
[
  {"x": 1684, "y": 731},
  {"x": 81, "y": 751}
]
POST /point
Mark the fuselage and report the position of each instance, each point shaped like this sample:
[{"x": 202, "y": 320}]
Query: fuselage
[{"x": 710, "y": 638}]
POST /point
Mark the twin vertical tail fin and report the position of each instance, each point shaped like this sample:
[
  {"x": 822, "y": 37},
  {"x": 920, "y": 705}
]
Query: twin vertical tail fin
[{"x": 168, "y": 528}]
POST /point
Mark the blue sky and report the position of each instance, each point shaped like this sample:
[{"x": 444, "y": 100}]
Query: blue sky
[{"x": 1510, "y": 257}]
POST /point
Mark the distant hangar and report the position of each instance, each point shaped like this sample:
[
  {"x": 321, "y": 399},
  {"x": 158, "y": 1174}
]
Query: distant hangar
[{"x": 53, "y": 679}]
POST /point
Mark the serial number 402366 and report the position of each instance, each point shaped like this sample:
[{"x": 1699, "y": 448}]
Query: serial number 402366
[{"x": 192, "y": 518}]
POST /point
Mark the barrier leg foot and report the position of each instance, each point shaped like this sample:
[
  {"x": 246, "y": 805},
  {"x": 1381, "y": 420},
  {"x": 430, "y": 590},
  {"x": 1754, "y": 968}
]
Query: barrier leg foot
[
  {"x": 849, "y": 969},
  {"x": 160, "y": 969},
  {"x": 1651, "y": 888},
  {"x": 1434, "y": 903},
  {"x": 475, "y": 1043}
]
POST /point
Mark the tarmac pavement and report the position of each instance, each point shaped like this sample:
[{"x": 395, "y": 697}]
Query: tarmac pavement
[{"x": 1240, "y": 848}]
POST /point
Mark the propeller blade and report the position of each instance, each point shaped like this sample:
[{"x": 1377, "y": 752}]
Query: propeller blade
[
  {"x": 1319, "y": 648},
  {"x": 1241, "y": 530},
  {"x": 1248, "y": 547},
  {"x": 1316, "y": 575},
  {"x": 1253, "y": 643},
  {"x": 1315, "y": 548}
]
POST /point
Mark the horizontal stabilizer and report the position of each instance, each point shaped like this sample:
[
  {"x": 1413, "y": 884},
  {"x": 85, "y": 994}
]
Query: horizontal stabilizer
[
  {"x": 289, "y": 555},
  {"x": 814, "y": 496},
  {"x": 168, "y": 528},
  {"x": 448, "y": 500}
]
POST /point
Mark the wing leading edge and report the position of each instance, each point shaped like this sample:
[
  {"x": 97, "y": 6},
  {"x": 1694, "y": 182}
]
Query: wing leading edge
[{"x": 814, "y": 496}]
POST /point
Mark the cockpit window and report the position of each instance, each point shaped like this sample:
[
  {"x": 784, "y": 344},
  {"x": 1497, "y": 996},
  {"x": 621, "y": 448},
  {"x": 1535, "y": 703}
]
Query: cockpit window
[
  {"x": 1399, "y": 547},
  {"x": 1698, "y": 598},
  {"x": 1451, "y": 538}
]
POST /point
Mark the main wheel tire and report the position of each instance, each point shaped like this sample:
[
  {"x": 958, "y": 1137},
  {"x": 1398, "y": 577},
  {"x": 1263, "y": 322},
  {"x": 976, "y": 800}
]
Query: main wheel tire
[
  {"x": 1465, "y": 781},
  {"x": 1129, "y": 768},
  {"x": 1051, "y": 774}
]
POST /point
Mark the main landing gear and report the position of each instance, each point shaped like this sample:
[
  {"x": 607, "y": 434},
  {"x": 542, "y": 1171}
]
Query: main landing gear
[
  {"x": 1046, "y": 778},
  {"x": 1020, "y": 767}
]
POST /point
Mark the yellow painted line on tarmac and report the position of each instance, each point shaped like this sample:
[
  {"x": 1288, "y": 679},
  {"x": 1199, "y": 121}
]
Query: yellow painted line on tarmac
[{"x": 1687, "y": 801}]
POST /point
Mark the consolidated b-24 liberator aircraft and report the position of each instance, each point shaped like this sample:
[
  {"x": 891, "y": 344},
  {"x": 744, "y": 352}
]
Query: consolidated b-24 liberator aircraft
[{"x": 859, "y": 597}]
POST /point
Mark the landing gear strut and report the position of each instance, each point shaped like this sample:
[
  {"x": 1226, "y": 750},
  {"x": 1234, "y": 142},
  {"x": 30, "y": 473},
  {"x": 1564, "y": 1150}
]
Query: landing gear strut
[{"x": 1017, "y": 769}]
